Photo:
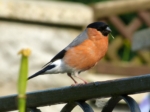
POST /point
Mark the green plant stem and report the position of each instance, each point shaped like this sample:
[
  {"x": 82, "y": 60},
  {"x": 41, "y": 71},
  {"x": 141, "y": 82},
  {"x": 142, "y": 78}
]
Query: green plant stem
[{"x": 22, "y": 80}]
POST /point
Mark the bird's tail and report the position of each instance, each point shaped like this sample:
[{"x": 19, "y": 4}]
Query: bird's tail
[
  {"x": 36, "y": 74},
  {"x": 43, "y": 71}
]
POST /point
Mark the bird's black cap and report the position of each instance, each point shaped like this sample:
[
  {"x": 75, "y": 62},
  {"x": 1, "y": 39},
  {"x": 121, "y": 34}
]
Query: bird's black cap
[{"x": 100, "y": 26}]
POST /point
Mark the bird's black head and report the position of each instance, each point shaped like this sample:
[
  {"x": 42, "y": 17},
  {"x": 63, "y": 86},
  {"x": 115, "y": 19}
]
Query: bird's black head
[{"x": 100, "y": 26}]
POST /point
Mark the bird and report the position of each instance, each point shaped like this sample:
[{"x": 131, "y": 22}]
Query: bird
[{"x": 83, "y": 53}]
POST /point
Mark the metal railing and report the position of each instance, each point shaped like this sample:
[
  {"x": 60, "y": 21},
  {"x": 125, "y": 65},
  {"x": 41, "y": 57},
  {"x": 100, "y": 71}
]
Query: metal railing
[{"x": 75, "y": 95}]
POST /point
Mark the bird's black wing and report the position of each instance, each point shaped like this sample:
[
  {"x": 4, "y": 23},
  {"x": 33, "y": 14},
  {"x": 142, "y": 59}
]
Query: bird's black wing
[{"x": 60, "y": 55}]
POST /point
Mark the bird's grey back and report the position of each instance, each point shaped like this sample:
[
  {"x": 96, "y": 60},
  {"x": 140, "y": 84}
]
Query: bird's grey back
[{"x": 78, "y": 40}]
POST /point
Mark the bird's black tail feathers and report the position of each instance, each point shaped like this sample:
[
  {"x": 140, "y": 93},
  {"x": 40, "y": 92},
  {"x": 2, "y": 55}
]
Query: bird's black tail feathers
[
  {"x": 41, "y": 71},
  {"x": 36, "y": 74}
]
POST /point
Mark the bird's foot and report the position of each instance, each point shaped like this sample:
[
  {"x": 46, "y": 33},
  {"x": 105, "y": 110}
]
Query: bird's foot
[{"x": 78, "y": 84}]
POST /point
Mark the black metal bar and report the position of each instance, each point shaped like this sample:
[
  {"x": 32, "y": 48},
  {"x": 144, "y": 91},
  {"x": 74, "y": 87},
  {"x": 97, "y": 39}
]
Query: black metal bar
[
  {"x": 109, "y": 88},
  {"x": 33, "y": 110},
  {"x": 85, "y": 107},
  {"x": 133, "y": 106},
  {"x": 110, "y": 105},
  {"x": 69, "y": 106}
]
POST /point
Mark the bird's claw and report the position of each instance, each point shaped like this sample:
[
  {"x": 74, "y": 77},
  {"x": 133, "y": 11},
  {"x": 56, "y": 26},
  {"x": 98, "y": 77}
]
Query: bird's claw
[{"x": 78, "y": 84}]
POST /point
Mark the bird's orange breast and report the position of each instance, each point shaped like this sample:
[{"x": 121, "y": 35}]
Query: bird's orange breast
[{"x": 89, "y": 52}]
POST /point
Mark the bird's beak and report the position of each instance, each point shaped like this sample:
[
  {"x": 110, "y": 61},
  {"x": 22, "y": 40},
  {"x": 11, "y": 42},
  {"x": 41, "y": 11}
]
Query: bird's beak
[{"x": 108, "y": 29}]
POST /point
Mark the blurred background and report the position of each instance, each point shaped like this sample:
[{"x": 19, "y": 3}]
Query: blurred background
[{"x": 46, "y": 27}]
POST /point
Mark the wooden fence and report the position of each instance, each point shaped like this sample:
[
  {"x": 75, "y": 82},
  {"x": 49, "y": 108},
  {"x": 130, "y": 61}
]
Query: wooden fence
[{"x": 110, "y": 12}]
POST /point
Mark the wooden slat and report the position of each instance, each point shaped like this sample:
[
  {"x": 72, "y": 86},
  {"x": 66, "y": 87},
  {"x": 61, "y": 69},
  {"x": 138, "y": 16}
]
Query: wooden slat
[
  {"x": 134, "y": 25},
  {"x": 121, "y": 69},
  {"x": 145, "y": 16},
  {"x": 120, "y": 26},
  {"x": 106, "y": 9}
]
